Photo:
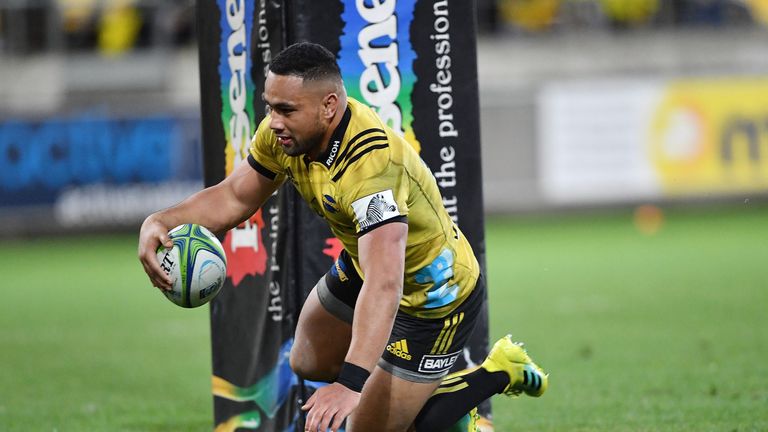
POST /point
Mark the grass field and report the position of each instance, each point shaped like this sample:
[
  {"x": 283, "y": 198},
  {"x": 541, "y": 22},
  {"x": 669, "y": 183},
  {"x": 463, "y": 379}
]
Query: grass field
[{"x": 664, "y": 332}]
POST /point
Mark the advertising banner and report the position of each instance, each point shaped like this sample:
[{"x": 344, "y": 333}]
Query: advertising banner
[
  {"x": 628, "y": 140},
  {"x": 415, "y": 63},
  {"x": 253, "y": 317},
  {"x": 95, "y": 169}
]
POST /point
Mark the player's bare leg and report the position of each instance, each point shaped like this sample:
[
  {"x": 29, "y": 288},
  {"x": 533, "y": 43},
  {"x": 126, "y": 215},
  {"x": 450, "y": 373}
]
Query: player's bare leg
[
  {"x": 320, "y": 343},
  {"x": 389, "y": 403}
]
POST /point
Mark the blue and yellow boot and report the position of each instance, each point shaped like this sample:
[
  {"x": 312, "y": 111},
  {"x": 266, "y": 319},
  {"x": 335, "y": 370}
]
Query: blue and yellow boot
[{"x": 524, "y": 375}]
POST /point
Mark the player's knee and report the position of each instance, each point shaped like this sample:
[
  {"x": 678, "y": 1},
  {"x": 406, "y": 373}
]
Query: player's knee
[
  {"x": 309, "y": 367},
  {"x": 298, "y": 363}
]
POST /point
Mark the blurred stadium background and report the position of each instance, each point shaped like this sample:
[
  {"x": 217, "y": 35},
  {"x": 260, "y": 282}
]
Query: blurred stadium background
[
  {"x": 602, "y": 121},
  {"x": 583, "y": 102}
]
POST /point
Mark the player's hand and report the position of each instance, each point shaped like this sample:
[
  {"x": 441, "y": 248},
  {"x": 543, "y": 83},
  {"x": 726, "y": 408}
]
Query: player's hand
[
  {"x": 329, "y": 406},
  {"x": 153, "y": 234}
]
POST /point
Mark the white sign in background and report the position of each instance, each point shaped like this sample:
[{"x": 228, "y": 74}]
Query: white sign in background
[{"x": 593, "y": 141}]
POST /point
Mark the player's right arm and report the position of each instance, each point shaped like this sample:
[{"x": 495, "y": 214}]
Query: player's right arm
[{"x": 219, "y": 208}]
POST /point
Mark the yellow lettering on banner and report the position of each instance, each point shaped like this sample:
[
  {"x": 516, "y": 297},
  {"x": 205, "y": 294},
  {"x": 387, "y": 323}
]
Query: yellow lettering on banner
[{"x": 711, "y": 136}]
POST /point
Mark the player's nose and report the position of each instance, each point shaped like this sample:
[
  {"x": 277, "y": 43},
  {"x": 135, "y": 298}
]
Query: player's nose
[{"x": 276, "y": 123}]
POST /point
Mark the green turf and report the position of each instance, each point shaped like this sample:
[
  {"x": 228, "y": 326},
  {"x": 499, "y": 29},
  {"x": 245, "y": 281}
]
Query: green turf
[
  {"x": 88, "y": 345},
  {"x": 640, "y": 333}
]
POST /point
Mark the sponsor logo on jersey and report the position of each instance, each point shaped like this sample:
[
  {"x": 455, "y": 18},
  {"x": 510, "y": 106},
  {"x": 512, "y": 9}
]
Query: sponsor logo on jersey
[
  {"x": 334, "y": 151},
  {"x": 437, "y": 363},
  {"x": 375, "y": 208},
  {"x": 400, "y": 349},
  {"x": 330, "y": 204}
]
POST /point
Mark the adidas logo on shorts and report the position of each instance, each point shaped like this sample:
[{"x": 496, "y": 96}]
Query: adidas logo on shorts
[{"x": 400, "y": 349}]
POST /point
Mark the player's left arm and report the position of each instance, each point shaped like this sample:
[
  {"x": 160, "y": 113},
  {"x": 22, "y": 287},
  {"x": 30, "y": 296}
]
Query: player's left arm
[{"x": 382, "y": 259}]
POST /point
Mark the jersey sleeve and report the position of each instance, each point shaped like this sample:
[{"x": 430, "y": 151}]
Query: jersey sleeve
[
  {"x": 378, "y": 199},
  {"x": 262, "y": 154}
]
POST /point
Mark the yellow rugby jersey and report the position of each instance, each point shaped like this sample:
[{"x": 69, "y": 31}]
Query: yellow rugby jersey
[{"x": 369, "y": 176}]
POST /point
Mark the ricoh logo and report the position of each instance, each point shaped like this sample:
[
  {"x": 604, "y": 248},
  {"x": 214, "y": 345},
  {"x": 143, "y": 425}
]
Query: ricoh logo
[
  {"x": 380, "y": 81},
  {"x": 332, "y": 156},
  {"x": 237, "y": 57}
]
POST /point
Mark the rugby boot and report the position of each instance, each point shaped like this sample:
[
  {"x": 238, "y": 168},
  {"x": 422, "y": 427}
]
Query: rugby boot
[{"x": 524, "y": 375}]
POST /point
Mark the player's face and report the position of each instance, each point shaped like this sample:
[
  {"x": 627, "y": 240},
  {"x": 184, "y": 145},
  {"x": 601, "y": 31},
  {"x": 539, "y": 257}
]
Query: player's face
[{"x": 295, "y": 114}]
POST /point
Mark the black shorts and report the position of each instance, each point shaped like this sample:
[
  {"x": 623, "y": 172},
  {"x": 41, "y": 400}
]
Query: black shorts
[{"x": 419, "y": 349}]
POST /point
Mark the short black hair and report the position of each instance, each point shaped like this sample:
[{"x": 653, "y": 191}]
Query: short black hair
[{"x": 306, "y": 60}]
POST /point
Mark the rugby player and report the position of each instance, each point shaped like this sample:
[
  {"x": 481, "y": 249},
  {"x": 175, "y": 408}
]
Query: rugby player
[{"x": 390, "y": 317}]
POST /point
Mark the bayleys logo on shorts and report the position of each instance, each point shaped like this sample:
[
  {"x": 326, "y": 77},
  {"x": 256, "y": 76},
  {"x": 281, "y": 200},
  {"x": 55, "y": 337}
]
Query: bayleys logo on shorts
[
  {"x": 400, "y": 349},
  {"x": 438, "y": 363}
]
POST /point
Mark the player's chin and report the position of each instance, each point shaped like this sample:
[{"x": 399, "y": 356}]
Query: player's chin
[{"x": 292, "y": 150}]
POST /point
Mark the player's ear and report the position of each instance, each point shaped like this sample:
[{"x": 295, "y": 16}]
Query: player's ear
[{"x": 330, "y": 105}]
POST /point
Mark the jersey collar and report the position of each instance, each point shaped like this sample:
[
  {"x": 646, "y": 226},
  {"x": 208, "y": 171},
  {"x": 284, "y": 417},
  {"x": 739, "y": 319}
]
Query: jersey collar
[{"x": 334, "y": 144}]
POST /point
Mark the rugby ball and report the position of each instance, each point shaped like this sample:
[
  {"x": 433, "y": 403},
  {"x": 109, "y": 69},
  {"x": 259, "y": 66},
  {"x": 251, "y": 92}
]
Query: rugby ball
[{"x": 196, "y": 263}]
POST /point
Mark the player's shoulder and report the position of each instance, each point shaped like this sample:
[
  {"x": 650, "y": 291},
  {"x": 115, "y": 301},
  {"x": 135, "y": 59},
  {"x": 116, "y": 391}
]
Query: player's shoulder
[
  {"x": 368, "y": 146},
  {"x": 364, "y": 124},
  {"x": 366, "y": 129}
]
